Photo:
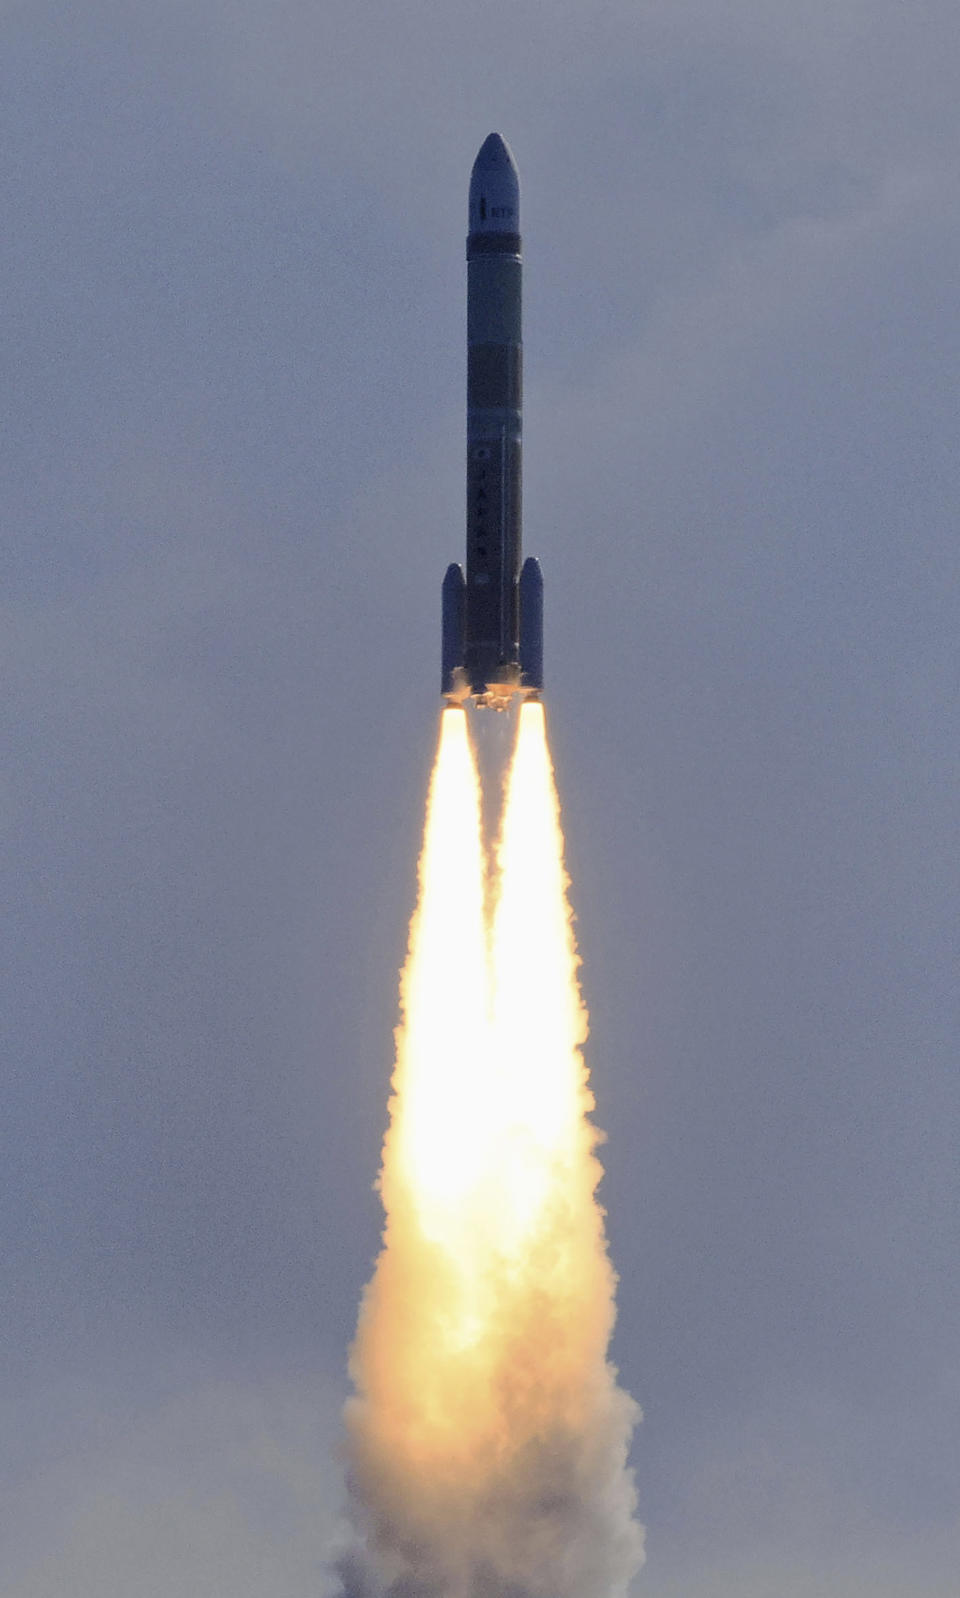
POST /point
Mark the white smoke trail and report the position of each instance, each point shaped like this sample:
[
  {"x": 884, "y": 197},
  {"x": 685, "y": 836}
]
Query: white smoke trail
[{"x": 488, "y": 1437}]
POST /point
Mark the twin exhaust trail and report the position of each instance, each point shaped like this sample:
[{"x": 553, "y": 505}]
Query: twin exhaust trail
[{"x": 488, "y": 1436}]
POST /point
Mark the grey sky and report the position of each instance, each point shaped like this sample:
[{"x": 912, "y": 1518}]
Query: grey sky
[{"x": 233, "y": 374}]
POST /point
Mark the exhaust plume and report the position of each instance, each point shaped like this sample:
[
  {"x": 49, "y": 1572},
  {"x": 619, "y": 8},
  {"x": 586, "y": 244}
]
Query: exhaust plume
[{"x": 488, "y": 1438}]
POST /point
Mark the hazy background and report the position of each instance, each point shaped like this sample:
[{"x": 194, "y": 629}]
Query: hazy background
[{"x": 232, "y": 476}]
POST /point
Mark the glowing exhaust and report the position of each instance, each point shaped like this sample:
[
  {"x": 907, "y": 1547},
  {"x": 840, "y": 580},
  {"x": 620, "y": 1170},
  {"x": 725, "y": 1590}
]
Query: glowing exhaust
[{"x": 488, "y": 1437}]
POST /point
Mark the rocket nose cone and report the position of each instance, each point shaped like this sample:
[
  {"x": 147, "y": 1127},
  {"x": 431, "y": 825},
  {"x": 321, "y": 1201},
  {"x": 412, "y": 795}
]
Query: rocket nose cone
[
  {"x": 494, "y": 189},
  {"x": 494, "y": 151}
]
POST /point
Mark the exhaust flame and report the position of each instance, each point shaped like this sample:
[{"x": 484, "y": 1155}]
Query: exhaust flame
[{"x": 488, "y": 1437}]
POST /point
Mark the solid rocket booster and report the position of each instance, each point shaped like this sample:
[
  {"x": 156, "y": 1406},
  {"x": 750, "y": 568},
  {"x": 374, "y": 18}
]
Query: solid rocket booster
[{"x": 493, "y": 617}]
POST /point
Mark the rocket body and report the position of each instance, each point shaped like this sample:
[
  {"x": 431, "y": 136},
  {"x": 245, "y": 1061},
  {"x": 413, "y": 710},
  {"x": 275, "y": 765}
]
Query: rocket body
[{"x": 492, "y": 615}]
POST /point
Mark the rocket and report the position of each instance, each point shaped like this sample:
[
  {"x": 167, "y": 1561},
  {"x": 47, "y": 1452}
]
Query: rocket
[{"x": 492, "y": 615}]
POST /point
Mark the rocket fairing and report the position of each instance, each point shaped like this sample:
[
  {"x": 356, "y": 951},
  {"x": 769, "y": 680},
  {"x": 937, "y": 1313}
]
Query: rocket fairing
[{"x": 492, "y": 617}]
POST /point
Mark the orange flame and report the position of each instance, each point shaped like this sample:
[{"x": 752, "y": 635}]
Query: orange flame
[{"x": 488, "y": 1433}]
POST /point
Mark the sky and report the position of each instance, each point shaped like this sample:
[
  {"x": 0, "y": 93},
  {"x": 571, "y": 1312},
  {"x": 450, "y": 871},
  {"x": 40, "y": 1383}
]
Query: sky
[{"x": 230, "y": 482}]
